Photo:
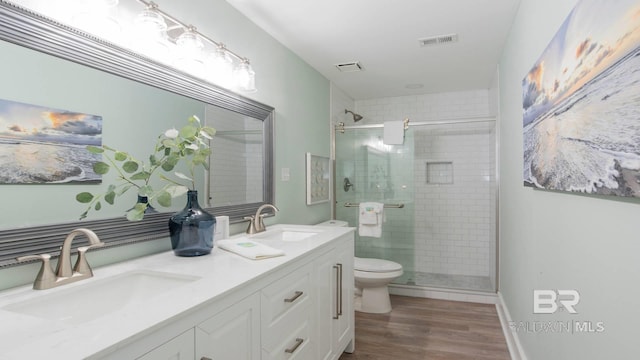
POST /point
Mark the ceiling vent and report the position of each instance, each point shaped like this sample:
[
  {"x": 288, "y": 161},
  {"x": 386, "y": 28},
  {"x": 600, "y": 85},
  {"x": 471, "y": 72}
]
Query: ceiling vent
[
  {"x": 438, "y": 40},
  {"x": 350, "y": 67}
]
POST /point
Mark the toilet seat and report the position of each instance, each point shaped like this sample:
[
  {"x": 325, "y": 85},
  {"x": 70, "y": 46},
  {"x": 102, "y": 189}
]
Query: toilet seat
[{"x": 375, "y": 265}]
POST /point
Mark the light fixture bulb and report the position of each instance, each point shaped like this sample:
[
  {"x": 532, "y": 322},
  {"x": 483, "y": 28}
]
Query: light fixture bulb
[
  {"x": 151, "y": 24},
  {"x": 189, "y": 43},
  {"x": 245, "y": 77},
  {"x": 189, "y": 52},
  {"x": 220, "y": 67}
]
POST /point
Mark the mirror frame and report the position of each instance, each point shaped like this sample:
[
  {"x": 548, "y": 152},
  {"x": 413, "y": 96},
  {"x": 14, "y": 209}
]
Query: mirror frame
[{"x": 26, "y": 28}]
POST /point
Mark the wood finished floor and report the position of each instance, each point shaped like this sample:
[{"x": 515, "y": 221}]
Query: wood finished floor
[{"x": 418, "y": 329}]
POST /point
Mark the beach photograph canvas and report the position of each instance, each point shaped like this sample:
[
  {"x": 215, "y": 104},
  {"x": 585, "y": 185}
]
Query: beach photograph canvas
[
  {"x": 40, "y": 145},
  {"x": 581, "y": 104}
]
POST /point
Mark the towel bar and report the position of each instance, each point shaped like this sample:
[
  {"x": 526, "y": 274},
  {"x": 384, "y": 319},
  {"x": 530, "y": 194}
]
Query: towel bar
[{"x": 392, "y": 206}]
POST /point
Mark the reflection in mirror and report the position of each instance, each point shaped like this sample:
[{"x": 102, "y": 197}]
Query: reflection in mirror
[
  {"x": 24, "y": 28},
  {"x": 237, "y": 168}
]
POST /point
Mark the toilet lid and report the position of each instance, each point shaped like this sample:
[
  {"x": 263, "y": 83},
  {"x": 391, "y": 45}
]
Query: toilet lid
[{"x": 375, "y": 265}]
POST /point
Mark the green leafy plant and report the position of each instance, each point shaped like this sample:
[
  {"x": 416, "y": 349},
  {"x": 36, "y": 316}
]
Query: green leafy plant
[{"x": 188, "y": 145}]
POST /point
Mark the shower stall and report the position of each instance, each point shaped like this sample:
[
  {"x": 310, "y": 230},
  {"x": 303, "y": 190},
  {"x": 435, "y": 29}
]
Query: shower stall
[{"x": 440, "y": 195}]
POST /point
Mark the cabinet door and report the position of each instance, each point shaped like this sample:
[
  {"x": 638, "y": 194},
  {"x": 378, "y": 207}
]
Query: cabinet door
[
  {"x": 326, "y": 272},
  {"x": 344, "y": 326},
  {"x": 178, "y": 348},
  {"x": 232, "y": 334}
]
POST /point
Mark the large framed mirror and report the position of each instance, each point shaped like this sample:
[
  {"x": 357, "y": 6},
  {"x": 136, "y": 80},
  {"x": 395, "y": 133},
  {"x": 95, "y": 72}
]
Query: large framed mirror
[{"x": 245, "y": 135}]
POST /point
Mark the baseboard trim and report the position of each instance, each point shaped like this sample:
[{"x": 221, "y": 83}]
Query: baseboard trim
[
  {"x": 443, "y": 294},
  {"x": 513, "y": 341}
]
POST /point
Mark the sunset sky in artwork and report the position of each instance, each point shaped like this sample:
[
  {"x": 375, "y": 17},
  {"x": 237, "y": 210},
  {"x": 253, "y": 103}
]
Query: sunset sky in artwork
[
  {"x": 594, "y": 36},
  {"x": 36, "y": 123}
]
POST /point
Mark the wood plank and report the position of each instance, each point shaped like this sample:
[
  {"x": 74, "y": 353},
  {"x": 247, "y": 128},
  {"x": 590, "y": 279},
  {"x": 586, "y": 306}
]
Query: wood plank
[{"x": 419, "y": 328}]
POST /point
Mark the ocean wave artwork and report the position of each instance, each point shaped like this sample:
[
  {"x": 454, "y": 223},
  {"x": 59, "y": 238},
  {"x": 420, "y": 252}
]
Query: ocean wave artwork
[
  {"x": 581, "y": 104},
  {"x": 41, "y": 145}
]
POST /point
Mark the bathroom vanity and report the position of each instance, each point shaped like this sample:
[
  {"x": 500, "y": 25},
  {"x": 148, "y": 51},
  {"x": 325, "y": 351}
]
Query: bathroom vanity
[{"x": 220, "y": 306}]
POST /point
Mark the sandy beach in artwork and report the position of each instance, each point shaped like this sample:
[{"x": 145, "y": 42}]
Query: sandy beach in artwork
[
  {"x": 589, "y": 142},
  {"x": 32, "y": 162},
  {"x": 41, "y": 145}
]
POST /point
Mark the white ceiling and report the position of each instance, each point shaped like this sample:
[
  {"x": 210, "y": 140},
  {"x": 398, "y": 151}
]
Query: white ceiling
[{"x": 383, "y": 36}]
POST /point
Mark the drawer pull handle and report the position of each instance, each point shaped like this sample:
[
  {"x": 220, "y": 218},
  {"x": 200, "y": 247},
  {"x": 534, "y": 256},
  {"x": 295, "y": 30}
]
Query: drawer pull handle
[
  {"x": 337, "y": 308},
  {"x": 205, "y": 358},
  {"x": 294, "y": 297},
  {"x": 340, "y": 300},
  {"x": 295, "y": 347}
]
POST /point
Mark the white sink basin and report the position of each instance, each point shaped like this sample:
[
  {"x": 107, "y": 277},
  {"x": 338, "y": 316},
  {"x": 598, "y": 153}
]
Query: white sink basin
[
  {"x": 83, "y": 303},
  {"x": 286, "y": 234}
]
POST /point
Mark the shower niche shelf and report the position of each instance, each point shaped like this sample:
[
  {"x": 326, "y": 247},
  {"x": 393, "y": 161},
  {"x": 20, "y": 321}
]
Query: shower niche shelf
[{"x": 439, "y": 172}]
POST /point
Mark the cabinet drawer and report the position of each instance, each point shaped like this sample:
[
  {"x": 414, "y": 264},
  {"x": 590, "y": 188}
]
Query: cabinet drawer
[
  {"x": 180, "y": 347},
  {"x": 292, "y": 344},
  {"x": 284, "y": 295}
]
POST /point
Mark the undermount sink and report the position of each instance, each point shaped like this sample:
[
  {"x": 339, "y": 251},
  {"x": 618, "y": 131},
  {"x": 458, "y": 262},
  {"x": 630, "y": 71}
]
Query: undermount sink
[
  {"x": 286, "y": 234},
  {"x": 83, "y": 303}
]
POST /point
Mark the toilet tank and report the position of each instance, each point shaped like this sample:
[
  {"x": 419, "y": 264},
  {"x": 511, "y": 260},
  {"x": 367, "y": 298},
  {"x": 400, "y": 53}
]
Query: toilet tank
[{"x": 333, "y": 223}]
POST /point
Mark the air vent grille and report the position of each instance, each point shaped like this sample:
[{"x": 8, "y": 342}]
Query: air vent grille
[
  {"x": 350, "y": 67},
  {"x": 438, "y": 40}
]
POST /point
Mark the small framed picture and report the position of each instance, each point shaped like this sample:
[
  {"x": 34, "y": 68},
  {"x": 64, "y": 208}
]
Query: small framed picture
[{"x": 318, "y": 179}]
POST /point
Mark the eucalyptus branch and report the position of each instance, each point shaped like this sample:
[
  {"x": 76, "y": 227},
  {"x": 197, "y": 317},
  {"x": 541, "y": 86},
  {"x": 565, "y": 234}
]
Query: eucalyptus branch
[{"x": 172, "y": 147}]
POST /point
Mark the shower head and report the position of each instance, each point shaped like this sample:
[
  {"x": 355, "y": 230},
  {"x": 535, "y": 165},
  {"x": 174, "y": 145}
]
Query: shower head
[{"x": 356, "y": 117}]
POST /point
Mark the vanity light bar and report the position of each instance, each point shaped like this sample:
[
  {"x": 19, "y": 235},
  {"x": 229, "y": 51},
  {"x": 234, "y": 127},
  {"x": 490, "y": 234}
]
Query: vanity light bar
[{"x": 152, "y": 5}]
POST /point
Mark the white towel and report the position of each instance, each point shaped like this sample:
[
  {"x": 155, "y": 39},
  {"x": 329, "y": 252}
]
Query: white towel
[
  {"x": 249, "y": 248},
  {"x": 370, "y": 215},
  {"x": 394, "y": 132}
]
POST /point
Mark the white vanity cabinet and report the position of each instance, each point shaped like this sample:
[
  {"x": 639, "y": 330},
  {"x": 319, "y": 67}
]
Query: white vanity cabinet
[
  {"x": 299, "y": 306},
  {"x": 334, "y": 305}
]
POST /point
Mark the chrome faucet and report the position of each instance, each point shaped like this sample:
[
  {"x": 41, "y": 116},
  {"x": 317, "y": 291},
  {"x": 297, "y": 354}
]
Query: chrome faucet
[
  {"x": 46, "y": 278},
  {"x": 256, "y": 224}
]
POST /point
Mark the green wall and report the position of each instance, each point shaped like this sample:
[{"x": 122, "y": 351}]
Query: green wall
[
  {"x": 299, "y": 94},
  {"x": 552, "y": 240}
]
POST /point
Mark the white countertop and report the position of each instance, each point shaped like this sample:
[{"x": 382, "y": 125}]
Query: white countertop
[{"x": 30, "y": 337}]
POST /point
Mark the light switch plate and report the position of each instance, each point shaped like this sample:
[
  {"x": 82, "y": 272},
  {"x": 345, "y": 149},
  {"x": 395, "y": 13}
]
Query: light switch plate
[{"x": 285, "y": 174}]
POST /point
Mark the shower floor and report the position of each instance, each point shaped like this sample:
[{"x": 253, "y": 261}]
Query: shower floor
[{"x": 460, "y": 282}]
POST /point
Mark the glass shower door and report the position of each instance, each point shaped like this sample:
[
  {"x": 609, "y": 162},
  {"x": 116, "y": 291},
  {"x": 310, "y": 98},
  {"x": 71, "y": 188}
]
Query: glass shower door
[
  {"x": 440, "y": 192},
  {"x": 367, "y": 170}
]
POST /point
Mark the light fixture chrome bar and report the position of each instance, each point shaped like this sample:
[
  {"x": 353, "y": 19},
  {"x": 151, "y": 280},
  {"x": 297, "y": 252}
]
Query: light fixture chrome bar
[{"x": 151, "y": 4}]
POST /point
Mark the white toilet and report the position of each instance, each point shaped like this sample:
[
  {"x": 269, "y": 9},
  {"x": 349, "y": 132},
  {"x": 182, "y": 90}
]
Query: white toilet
[{"x": 371, "y": 279}]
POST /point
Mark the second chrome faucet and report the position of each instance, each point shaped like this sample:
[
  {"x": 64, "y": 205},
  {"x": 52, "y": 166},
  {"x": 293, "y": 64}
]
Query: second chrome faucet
[{"x": 256, "y": 224}]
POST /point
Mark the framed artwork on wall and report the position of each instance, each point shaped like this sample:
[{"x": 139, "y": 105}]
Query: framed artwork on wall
[
  {"x": 41, "y": 145},
  {"x": 318, "y": 179},
  {"x": 581, "y": 110}
]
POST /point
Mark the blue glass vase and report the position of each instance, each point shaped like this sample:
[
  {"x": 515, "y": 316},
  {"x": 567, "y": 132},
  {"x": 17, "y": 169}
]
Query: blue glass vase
[
  {"x": 145, "y": 200},
  {"x": 192, "y": 229}
]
